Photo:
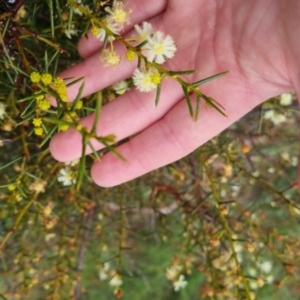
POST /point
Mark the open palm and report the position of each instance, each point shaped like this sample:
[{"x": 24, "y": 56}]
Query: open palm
[{"x": 247, "y": 38}]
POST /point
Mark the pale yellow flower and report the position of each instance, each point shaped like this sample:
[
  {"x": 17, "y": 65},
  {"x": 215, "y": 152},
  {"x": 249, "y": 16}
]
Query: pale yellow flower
[
  {"x": 173, "y": 271},
  {"x": 145, "y": 81},
  {"x": 38, "y": 186},
  {"x": 119, "y": 14},
  {"x": 110, "y": 58},
  {"x": 275, "y": 117},
  {"x": 286, "y": 99},
  {"x": 2, "y": 111},
  {"x": 116, "y": 280}
]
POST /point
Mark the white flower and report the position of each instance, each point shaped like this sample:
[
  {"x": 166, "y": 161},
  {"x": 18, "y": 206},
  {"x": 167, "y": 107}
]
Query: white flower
[
  {"x": 294, "y": 161},
  {"x": 239, "y": 257},
  {"x": 252, "y": 272},
  {"x": 50, "y": 236},
  {"x": 116, "y": 281},
  {"x": 144, "y": 80},
  {"x": 253, "y": 284},
  {"x": 77, "y": 10},
  {"x": 275, "y": 117},
  {"x": 100, "y": 217},
  {"x": 66, "y": 177},
  {"x": 103, "y": 273},
  {"x": 2, "y": 110},
  {"x": 159, "y": 47},
  {"x": 266, "y": 267},
  {"x": 70, "y": 31},
  {"x": 99, "y": 33},
  {"x": 106, "y": 266},
  {"x": 238, "y": 248},
  {"x": 269, "y": 279},
  {"x": 180, "y": 283},
  {"x": 144, "y": 31},
  {"x": 286, "y": 99}
]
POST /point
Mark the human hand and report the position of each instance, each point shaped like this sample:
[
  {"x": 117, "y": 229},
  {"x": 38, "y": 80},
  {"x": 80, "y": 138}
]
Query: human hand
[{"x": 253, "y": 40}]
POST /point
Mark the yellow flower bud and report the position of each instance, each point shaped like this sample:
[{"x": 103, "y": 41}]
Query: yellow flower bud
[
  {"x": 130, "y": 55},
  {"x": 46, "y": 79},
  {"x": 37, "y": 122},
  {"x": 35, "y": 77},
  {"x": 38, "y": 131},
  {"x": 95, "y": 31},
  {"x": 156, "y": 78}
]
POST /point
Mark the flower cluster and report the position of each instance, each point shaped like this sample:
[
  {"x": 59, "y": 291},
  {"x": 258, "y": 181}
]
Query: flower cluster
[
  {"x": 261, "y": 275},
  {"x": 157, "y": 48},
  {"x": 114, "y": 278},
  {"x": 274, "y": 116},
  {"x": 60, "y": 88},
  {"x": 37, "y": 122},
  {"x": 117, "y": 18},
  {"x": 153, "y": 47},
  {"x": 55, "y": 84},
  {"x": 42, "y": 103},
  {"x": 279, "y": 116}
]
